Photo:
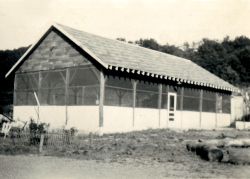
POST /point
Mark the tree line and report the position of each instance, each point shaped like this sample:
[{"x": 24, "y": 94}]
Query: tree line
[{"x": 227, "y": 59}]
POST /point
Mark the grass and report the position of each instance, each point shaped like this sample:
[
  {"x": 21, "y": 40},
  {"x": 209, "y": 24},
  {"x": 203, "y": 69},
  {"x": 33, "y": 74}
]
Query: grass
[{"x": 163, "y": 147}]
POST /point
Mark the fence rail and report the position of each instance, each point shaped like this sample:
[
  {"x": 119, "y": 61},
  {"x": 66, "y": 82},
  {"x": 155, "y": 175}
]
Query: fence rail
[{"x": 50, "y": 140}]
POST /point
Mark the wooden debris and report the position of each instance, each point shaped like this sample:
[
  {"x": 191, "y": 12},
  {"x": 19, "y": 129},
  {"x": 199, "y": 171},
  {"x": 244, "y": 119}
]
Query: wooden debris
[
  {"x": 211, "y": 153},
  {"x": 205, "y": 150}
]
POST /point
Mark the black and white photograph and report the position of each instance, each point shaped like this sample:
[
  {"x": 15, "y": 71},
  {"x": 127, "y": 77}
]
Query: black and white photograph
[{"x": 124, "y": 89}]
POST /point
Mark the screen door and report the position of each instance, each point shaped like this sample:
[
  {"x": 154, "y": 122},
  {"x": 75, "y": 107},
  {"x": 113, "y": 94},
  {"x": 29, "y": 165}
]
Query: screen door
[{"x": 171, "y": 107}]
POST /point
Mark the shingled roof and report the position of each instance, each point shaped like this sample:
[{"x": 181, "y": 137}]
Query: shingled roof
[{"x": 117, "y": 55}]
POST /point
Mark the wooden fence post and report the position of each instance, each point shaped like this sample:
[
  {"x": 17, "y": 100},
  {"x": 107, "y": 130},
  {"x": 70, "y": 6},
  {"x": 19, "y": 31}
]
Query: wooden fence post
[
  {"x": 41, "y": 143},
  {"x": 91, "y": 140}
]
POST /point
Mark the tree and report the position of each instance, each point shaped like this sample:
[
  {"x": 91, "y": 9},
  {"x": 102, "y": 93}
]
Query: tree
[{"x": 7, "y": 59}]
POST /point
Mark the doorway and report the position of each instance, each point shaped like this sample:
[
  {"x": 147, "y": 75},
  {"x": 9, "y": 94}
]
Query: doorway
[{"x": 171, "y": 109}]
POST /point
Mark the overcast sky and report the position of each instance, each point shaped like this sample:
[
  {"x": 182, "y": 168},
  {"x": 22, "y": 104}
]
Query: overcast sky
[{"x": 167, "y": 21}]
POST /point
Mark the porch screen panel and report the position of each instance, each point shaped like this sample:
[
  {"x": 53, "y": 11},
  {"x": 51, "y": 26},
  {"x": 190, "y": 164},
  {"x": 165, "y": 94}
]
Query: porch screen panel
[
  {"x": 33, "y": 79},
  {"x": 191, "y": 99},
  {"x": 53, "y": 84},
  {"x": 225, "y": 103},
  {"x": 208, "y": 101},
  {"x": 84, "y": 86},
  {"x": 118, "y": 91},
  {"x": 164, "y": 99},
  {"x": 26, "y": 85},
  {"x": 147, "y": 94},
  {"x": 22, "y": 86}
]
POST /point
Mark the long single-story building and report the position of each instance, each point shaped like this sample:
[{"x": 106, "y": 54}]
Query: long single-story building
[{"x": 103, "y": 85}]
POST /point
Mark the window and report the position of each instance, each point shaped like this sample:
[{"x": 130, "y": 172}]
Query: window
[
  {"x": 191, "y": 99},
  {"x": 147, "y": 94},
  {"x": 164, "y": 99},
  {"x": 84, "y": 86},
  {"x": 26, "y": 85},
  {"x": 53, "y": 84},
  {"x": 224, "y": 103},
  {"x": 118, "y": 91},
  {"x": 208, "y": 101}
]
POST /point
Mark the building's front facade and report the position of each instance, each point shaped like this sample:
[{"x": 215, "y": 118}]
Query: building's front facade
[{"x": 101, "y": 85}]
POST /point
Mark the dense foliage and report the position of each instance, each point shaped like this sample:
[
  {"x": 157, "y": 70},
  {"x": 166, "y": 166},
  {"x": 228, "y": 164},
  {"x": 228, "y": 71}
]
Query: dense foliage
[
  {"x": 7, "y": 59},
  {"x": 228, "y": 59}
]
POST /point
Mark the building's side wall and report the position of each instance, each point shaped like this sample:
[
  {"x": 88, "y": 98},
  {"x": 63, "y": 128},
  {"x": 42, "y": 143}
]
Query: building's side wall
[
  {"x": 208, "y": 120},
  {"x": 190, "y": 119},
  {"x": 84, "y": 118},
  {"x": 163, "y": 118},
  {"x": 117, "y": 119},
  {"x": 238, "y": 108},
  {"x": 242, "y": 125},
  {"x": 223, "y": 120},
  {"x": 55, "y": 115},
  {"x": 25, "y": 113},
  {"x": 146, "y": 118}
]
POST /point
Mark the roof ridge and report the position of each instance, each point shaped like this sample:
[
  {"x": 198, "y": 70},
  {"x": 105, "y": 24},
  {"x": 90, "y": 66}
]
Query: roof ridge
[{"x": 124, "y": 43}]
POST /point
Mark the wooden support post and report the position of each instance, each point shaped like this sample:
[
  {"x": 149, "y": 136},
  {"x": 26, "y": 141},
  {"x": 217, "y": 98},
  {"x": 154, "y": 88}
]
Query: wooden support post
[
  {"x": 159, "y": 102},
  {"x": 27, "y": 87},
  {"x": 216, "y": 107},
  {"x": 91, "y": 140},
  {"x": 83, "y": 89},
  {"x": 134, "y": 100},
  {"x": 39, "y": 93},
  {"x": 15, "y": 87},
  {"x": 167, "y": 102},
  {"x": 200, "y": 107},
  {"x": 41, "y": 143},
  {"x": 181, "y": 103},
  {"x": 102, "y": 88},
  {"x": 67, "y": 94}
]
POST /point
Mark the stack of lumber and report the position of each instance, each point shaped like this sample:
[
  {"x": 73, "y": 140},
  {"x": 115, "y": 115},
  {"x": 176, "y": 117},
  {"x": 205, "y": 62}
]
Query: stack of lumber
[{"x": 206, "y": 151}]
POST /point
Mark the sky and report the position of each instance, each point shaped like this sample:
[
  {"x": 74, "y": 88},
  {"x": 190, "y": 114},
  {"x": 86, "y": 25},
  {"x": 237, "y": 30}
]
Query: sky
[{"x": 170, "y": 22}]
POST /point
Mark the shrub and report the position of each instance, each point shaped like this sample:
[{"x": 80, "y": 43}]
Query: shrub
[
  {"x": 245, "y": 118},
  {"x": 69, "y": 134},
  {"x": 36, "y": 131}
]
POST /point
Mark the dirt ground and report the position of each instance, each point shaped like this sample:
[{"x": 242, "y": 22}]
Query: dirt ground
[
  {"x": 146, "y": 154},
  {"x": 41, "y": 167}
]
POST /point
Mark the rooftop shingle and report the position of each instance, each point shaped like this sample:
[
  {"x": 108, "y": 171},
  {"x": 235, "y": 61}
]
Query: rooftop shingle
[{"x": 117, "y": 53}]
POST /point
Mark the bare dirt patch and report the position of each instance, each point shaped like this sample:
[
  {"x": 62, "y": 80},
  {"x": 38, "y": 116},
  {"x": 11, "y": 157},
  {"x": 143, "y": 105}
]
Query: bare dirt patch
[{"x": 144, "y": 154}]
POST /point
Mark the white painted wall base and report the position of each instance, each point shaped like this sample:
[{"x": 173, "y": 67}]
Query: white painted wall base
[
  {"x": 190, "y": 119},
  {"x": 25, "y": 113},
  {"x": 55, "y": 115},
  {"x": 208, "y": 120},
  {"x": 242, "y": 125},
  {"x": 164, "y": 118},
  {"x": 117, "y": 119},
  {"x": 146, "y": 118},
  {"x": 223, "y": 120},
  {"x": 84, "y": 118}
]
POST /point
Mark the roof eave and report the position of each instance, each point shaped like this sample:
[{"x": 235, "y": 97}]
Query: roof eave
[{"x": 28, "y": 51}]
